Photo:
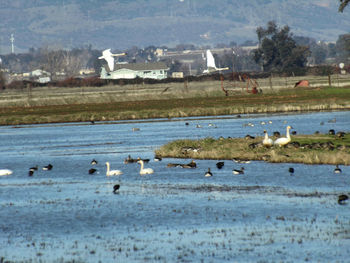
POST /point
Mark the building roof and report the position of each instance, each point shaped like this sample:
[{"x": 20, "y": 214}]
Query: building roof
[{"x": 142, "y": 66}]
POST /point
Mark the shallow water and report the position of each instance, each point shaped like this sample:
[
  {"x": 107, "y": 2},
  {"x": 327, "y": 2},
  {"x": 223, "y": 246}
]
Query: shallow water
[{"x": 174, "y": 215}]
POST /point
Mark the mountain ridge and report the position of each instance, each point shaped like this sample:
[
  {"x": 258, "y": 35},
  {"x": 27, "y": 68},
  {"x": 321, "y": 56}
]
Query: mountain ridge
[{"x": 122, "y": 24}]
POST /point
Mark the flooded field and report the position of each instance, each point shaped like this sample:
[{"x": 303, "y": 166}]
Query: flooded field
[{"x": 174, "y": 215}]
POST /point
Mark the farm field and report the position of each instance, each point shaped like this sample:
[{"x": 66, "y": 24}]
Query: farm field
[{"x": 169, "y": 100}]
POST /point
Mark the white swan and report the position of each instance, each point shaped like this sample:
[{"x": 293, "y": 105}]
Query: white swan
[
  {"x": 144, "y": 170},
  {"x": 267, "y": 142},
  {"x": 108, "y": 56},
  {"x": 211, "y": 67},
  {"x": 284, "y": 140},
  {"x": 112, "y": 172},
  {"x": 5, "y": 172}
]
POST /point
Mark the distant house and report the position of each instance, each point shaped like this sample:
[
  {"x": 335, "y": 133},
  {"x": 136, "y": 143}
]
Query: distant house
[
  {"x": 37, "y": 75},
  {"x": 177, "y": 75},
  {"x": 156, "y": 70},
  {"x": 40, "y": 76},
  {"x": 160, "y": 52},
  {"x": 87, "y": 71}
]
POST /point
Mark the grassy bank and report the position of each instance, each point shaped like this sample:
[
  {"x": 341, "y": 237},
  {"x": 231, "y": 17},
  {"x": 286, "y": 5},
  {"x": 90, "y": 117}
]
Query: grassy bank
[
  {"x": 309, "y": 149},
  {"x": 206, "y": 103}
]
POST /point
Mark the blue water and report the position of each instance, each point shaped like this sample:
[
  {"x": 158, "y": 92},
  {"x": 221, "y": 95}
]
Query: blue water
[{"x": 175, "y": 214}]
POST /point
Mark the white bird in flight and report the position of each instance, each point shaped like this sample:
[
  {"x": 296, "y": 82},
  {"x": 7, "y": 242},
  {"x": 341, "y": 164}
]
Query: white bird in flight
[{"x": 108, "y": 56}]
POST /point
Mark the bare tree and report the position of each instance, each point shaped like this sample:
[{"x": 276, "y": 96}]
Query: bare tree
[
  {"x": 67, "y": 62},
  {"x": 74, "y": 61},
  {"x": 51, "y": 61},
  {"x": 2, "y": 79}
]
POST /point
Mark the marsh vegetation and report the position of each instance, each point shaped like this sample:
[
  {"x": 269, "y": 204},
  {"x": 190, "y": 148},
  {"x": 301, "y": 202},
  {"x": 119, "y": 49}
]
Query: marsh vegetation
[{"x": 308, "y": 149}]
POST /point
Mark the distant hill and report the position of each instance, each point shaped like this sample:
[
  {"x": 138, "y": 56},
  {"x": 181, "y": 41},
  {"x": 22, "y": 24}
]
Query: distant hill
[{"x": 123, "y": 24}]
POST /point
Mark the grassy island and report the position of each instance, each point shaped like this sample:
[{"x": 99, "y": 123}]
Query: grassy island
[{"x": 308, "y": 149}]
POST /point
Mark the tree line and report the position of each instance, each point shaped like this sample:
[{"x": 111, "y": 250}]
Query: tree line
[{"x": 278, "y": 50}]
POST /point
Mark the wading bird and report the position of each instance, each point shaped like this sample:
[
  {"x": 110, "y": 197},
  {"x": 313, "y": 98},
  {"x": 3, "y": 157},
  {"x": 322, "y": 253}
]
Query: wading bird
[
  {"x": 267, "y": 142},
  {"x": 284, "y": 140}
]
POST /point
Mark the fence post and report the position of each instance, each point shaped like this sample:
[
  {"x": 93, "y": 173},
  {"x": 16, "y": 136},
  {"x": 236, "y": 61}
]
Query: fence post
[
  {"x": 270, "y": 81},
  {"x": 186, "y": 84},
  {"x": 286, "y": 80},
  {"x": 329, "y": 80},
  {"x": 29, "y": 90}
]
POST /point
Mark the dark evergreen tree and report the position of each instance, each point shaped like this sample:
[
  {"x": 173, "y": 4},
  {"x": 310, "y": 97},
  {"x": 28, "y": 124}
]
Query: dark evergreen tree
[
  {"x": 343, "y": 46},
  {"x": 343, "y": 4},
  {"x": 278, "y": 50}
]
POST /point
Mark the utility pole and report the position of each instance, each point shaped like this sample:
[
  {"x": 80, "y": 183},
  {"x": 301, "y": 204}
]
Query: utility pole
[{"x": 12, "y": 39}]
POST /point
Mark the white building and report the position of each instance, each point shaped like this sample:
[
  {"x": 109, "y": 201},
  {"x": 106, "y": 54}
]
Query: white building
[
  {"x": 156, "y": 70},
  {"x": 37, "y": 75}
]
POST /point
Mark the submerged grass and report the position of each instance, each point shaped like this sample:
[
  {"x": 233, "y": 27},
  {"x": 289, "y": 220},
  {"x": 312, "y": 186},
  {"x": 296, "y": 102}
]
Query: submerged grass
[{"x": 241, "y": 148}]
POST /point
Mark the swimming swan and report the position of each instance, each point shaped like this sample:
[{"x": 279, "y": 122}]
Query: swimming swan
[
  {"x": 112, "y": 172},
  {"x": 267, "y": 142},
  {"x": 144, "y": 170},
  {"x": 284, "y": 140},
  {"x": 5, "y": 172}
]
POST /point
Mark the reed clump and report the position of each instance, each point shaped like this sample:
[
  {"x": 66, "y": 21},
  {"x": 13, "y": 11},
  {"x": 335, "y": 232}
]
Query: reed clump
[{"x": 308, "y": 149}]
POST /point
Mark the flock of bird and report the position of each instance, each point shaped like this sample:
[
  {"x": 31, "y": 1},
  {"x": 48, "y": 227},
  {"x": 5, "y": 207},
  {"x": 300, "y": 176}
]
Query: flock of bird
[
  {"x": 4, "y": 172},
  {"x": 282, "y": 141},
  {"x": 110, "y": 172},
  {"x": 267, "y": 142}
]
